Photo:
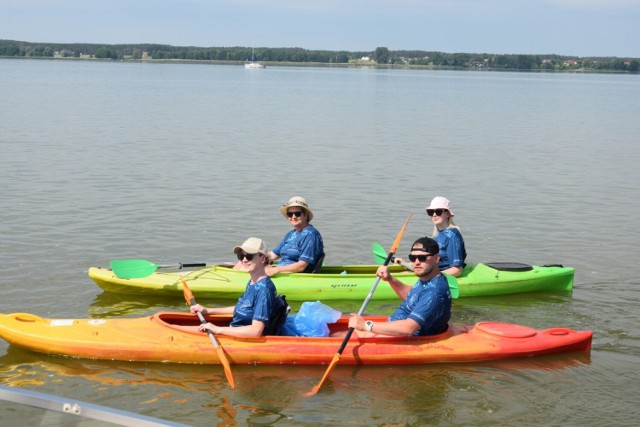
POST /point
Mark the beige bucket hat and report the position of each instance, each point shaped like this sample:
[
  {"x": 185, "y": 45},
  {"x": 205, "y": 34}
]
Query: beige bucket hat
[{"x": 297, "y": 201}]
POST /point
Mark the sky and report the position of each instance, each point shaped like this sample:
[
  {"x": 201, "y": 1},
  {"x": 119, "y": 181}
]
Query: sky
[{"x": 564, "y": 27}]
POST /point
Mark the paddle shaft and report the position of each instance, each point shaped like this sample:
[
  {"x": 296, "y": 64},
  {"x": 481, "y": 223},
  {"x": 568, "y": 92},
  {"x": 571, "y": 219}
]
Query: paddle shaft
[
  {"x": 181, "y": 265},
  {"x": 364, "y": 305},
  {"x": 336, "y": 357},
  {"x": 188, "y": 295},
  {"x": 379, "y": 253},
  {"x": 192, "y": 301},
  {"x": 197, "y": 264}
]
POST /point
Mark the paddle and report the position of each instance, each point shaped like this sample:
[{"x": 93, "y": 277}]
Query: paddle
[
  {"x": 137, "y": 268},
  {"x": 380, "y": 255},
  {"x": 336, "y": 358},
  {"x": 453, "y": 285},
  {"x": 219, "y": 350}
]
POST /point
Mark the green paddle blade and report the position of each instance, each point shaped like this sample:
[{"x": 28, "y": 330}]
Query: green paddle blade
[
  {"x": 453, "y": 286},
  {"x": 132, "y": 268},
  {"x": 379, "y": 253}
]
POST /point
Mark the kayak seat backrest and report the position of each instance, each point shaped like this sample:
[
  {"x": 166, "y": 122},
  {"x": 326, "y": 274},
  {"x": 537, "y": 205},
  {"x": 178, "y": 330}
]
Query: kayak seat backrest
[
  {"x": 509, "y": 266},
  {"x": 279, "y": 318},
  {"x": 318, "y": 266}
]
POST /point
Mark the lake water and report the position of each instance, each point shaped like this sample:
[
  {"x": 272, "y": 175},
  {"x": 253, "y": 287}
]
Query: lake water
[{"x": 180, "y": 162}]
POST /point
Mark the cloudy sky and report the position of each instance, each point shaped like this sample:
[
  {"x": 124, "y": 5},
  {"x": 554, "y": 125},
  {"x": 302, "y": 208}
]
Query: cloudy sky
[{"x": 564, "y": 27}]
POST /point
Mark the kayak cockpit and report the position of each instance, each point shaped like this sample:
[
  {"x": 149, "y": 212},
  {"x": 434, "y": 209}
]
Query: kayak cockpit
[
  {"x": 185, "y": 321},
  {"x": 177, "y": 320}
]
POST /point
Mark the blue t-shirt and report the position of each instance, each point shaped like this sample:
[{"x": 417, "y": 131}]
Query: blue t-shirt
[
  {"x": 257, "y": 302},
  {"x": 452, "y": 251},
  {"x": 429, "y": 304},
  {"x": 306, "y": 245}
]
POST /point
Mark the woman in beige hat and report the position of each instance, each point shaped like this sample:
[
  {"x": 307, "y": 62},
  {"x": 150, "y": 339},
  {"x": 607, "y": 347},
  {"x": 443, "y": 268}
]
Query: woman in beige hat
[
  {"x": 302, "y": 248},
  {"x": 256, "y": 312}
]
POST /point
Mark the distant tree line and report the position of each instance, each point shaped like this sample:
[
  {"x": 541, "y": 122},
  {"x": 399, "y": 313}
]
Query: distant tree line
[{"x": 381, "y": 56}]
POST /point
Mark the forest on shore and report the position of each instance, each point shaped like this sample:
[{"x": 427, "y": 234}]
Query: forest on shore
[{"x": 380, "y": 57}]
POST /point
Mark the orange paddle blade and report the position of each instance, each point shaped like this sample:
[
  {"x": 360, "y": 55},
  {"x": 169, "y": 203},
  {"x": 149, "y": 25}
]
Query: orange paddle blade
[
  {"x": 396, "y": 243},
  {"x": 333, "y": 363},
  {"x": 188, "y": 295},
  {"x": 226, "y": 366}
]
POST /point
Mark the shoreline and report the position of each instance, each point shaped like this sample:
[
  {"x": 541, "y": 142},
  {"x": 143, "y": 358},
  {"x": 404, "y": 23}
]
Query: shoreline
[{"x": 374, "y": 65}]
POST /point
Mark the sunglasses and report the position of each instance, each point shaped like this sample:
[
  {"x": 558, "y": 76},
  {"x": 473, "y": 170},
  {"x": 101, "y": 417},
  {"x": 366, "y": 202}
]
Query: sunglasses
[
  {"x": 297, "y": 214},
  {"x": 436, "y": 212},
  {"x": 242, "y": 255},
  {"x": 421, "y": 258}
]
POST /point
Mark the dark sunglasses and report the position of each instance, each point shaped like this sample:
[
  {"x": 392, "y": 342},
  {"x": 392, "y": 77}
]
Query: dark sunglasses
[
  {"x": 436, "y": 212},
  {"x": 421, "y": 258},
  {"x": 297, "y": 214},
  {"x": 242, "y": 255}
]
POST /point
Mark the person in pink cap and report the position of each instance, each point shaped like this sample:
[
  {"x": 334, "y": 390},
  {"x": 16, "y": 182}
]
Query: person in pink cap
[{"x": 448, "y": 236}]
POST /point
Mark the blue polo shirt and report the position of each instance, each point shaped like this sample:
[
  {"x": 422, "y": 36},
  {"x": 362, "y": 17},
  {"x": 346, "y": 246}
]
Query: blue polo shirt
[
  {"x": 429, "y": 304},
  {"x": 307, "y": 245},
  {"x": 452, "y": 250},
  {"x": 257, "y": 302}
]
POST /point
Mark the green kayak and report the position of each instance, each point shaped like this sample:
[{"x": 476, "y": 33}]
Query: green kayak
[{"x": 346, "y": 282}]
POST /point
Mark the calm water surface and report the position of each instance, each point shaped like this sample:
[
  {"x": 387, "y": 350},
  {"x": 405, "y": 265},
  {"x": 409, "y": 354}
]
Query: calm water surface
[{"x": 179, "y": 163}]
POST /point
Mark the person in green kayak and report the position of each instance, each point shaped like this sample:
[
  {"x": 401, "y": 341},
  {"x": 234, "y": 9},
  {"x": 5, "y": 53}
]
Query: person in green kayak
[
  {"x": 257, "y": 308},
  {"x": 302, "y": 249},
  {"x": 425, "y": 307},
  {"x": 448, "y": 236}
]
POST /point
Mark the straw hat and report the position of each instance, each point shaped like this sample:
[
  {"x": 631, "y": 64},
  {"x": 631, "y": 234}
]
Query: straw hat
[{"x": 296, "y": 201}]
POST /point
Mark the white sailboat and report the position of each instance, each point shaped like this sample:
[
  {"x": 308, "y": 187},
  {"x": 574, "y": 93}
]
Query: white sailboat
[{"x": 253, "y": 64}]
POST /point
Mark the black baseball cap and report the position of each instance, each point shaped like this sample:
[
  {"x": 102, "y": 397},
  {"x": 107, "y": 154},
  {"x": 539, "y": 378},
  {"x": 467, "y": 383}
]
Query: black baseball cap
[{"x": 426, "y": 244}]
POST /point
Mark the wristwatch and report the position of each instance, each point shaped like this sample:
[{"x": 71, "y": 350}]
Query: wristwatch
[{"x": 368, "y": 325}]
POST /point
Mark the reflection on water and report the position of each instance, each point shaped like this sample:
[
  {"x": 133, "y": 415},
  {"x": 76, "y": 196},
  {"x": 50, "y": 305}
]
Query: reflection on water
[
  {"x": 228, "y": 415},
  {"x": 431, "y": 394},
  {"x": 109, "y": 304}
]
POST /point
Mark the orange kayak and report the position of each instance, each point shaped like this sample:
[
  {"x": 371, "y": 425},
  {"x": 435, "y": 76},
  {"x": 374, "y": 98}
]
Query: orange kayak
[{"x": 159, "y": 338}]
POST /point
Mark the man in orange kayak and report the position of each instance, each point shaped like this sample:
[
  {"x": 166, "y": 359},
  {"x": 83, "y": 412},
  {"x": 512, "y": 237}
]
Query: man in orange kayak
[{"x": 426, "y": 306}]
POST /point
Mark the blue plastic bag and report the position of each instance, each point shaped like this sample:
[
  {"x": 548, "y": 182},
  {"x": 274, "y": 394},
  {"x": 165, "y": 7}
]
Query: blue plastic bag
[{"x": 313, "y": 317}]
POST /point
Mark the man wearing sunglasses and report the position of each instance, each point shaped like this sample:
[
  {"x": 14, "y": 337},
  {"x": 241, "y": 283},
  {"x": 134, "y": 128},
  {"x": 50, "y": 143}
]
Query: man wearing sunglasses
[{"x": 426, "y": 306}]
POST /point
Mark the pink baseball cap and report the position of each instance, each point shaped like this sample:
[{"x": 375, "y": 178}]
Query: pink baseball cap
[{"x": 440, "y": 202}]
